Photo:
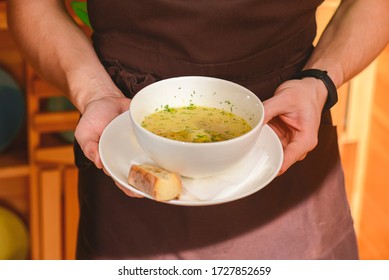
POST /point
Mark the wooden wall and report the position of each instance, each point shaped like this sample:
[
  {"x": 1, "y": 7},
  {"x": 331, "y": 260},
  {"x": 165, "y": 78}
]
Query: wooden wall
[{"x": 374, "y": 219}]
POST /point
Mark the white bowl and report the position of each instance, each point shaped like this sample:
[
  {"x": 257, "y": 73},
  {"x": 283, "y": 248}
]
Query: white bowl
[{"x": 196, "y": 160}]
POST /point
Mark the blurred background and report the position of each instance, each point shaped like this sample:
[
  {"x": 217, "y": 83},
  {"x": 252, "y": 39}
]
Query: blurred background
[{"x": 38, "y": 190}]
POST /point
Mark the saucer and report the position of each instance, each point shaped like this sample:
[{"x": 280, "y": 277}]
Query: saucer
[{"x": 119, "y": 149}]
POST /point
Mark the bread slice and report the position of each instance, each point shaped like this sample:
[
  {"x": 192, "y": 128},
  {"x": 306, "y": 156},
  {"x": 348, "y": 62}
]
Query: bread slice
[{"x": 159, "y": 183}]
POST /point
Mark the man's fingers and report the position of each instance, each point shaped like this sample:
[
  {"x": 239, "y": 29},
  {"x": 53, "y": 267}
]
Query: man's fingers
[
  {"x": 272, "y": 108},
  {"x": 128, "y": 191},
  {"x": 292, "y": 154},
  {"x": 296, "y": 151},
  {"x": 91, "y": 151},
  {"x": 124, "y": 189}
]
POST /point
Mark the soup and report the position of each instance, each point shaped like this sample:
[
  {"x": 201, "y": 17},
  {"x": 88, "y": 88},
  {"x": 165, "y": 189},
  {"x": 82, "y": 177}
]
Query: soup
[{"x": 196, "y": 124}]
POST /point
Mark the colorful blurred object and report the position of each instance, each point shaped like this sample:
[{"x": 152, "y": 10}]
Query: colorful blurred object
[
  {"x": 81, "y": 10},
  {"x": 13, "y": 236},
  {"x": 12, "y": 110}
]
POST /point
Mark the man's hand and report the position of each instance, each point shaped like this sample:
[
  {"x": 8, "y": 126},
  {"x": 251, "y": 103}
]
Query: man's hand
[
  {"x": 97, "y": 115},
  {"x": 294, "y": 113}
]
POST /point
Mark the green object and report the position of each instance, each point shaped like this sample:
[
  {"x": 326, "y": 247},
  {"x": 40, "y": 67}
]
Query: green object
[
  {"x": 13, "y": 236},
  {"x": 81, "y": 10}
]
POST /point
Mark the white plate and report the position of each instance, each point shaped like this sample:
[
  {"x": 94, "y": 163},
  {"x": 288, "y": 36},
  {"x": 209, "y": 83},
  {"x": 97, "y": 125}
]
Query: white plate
[{"x": 119, "y": 149}]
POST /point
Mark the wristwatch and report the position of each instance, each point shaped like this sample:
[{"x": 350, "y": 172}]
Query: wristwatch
[{"x": 332, "y": 97}]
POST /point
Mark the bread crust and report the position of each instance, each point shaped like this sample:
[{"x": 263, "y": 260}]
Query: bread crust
[{"x": 159, "y": 183}]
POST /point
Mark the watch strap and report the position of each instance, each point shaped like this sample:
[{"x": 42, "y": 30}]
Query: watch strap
[{"x": 332, "y": 97}]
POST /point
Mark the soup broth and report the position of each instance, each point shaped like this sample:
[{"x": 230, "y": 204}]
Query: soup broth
[{"x": 196, "y": 124}]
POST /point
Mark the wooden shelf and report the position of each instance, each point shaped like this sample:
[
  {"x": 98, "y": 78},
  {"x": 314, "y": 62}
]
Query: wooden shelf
[
  {"x": 55, "y": 155},
  {"x": 43, "y": 90},
  {"x": 55, "y": 121},
  {"x": 3, "y": 17},
  {"x": 37, "y": 173},
  {"x": 14, "y": 171},
  {"x": 14, "y": 162}
]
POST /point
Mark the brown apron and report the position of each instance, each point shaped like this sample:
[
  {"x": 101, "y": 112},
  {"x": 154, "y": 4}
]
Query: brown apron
[{"x": 303, "y": 214}]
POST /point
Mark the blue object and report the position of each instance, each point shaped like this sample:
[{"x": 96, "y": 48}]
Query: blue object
[{"x": 12, "y": 110}]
